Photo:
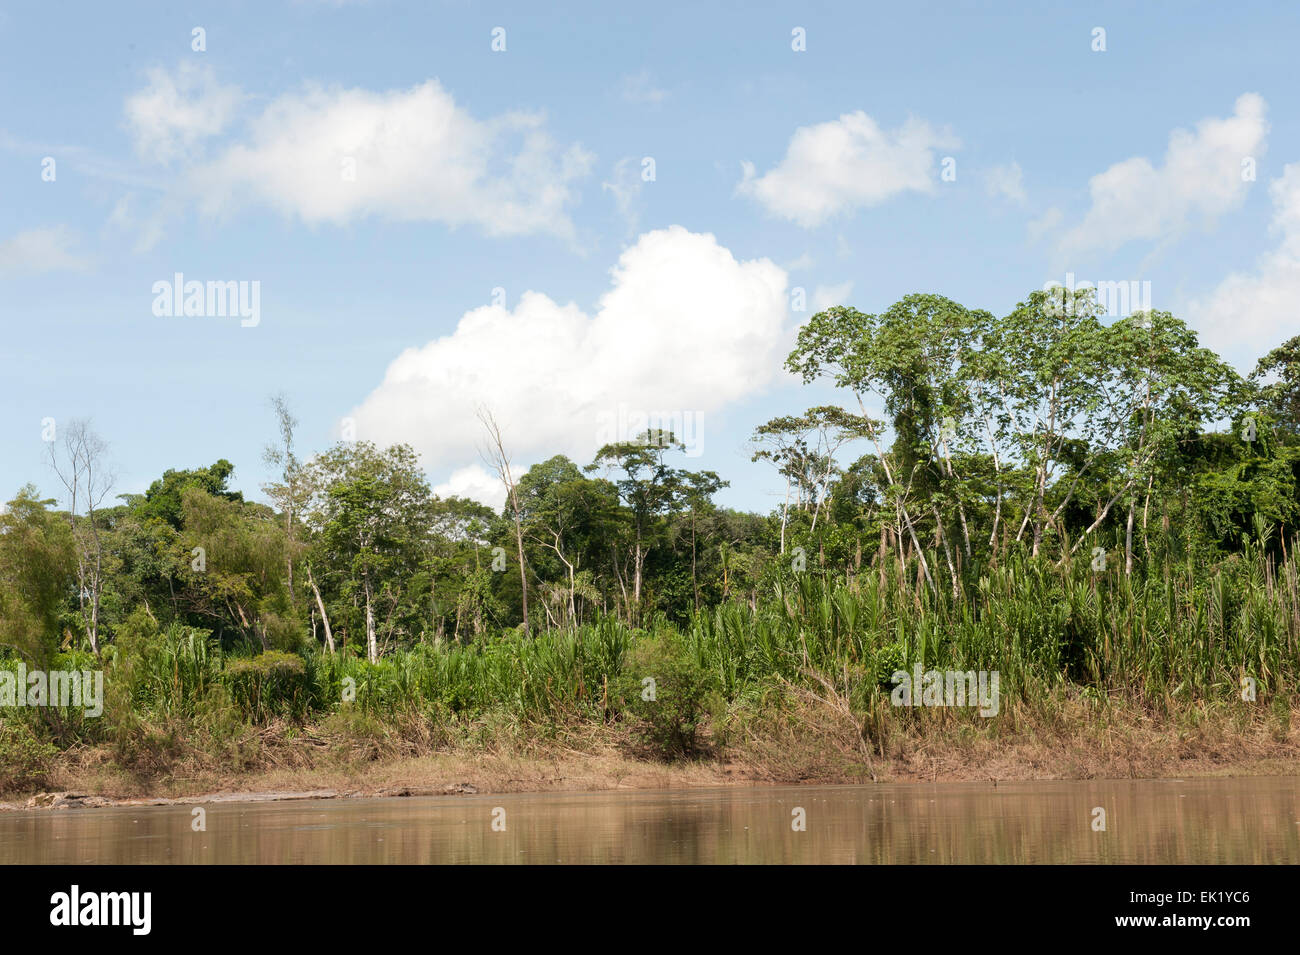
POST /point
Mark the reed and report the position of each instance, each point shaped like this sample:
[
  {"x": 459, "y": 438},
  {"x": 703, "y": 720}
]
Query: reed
[{"x": 1155, "y": 636}]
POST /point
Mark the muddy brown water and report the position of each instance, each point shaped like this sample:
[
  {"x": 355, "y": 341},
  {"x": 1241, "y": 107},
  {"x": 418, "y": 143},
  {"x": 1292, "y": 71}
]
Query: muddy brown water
[{"x": 1245, "y": 820}]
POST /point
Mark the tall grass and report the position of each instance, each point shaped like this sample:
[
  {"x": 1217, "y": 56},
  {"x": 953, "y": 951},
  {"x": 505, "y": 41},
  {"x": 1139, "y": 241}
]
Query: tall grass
[{"x": 1167, "y": 634}]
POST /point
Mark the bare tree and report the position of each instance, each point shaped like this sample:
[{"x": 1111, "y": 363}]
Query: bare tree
[
  {"x": 496, "y": 458},
  {"x": 292, "y": 495},
  {"x": 291, "y": 491},
  {"x": 79, "y": 460}
]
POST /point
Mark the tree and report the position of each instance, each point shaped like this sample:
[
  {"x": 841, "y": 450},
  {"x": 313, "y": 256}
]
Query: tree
[
  {"x": 162, "y": 502},
  {"x": 372, "y": 511},
  {"x": 1050, "y": 350},
  {"x": 1277, "y": 376},
  {"x": 558, "y": 510},
  {"x": 79, "y": 460},
  {"x": 807, "y": 467},
  {"x": 458, "y": 580},
  {"x": 290, "y": 492},
  {"x": 499, "y": 460},
  {"x": 38, "y": 562},
  {"x": 1158, "y": 384},
  {"x": 236, "y": 551},
  {"x": 696, "y": 490},
  {"x": 866, "y": 355},
  {"x": 648, "y": 487}
]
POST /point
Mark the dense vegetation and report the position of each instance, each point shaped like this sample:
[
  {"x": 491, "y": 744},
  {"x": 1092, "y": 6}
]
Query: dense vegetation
[{"x": 1100, "y": 512}]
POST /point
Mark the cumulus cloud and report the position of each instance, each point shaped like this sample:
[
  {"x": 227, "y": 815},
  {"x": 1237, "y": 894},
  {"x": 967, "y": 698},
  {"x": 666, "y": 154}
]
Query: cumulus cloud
[
  {"x": 333, "y": 155},
  {"x": 475, "y": 482},
  {"x": 39, "y": 250},
  {"x": 1250, "y": 313},
  {"x": 171, "y": 117},
  {"x": 685, "y": 328},
  {"x": 849, "y": 163},
  {"x": 1201, "y": 178}
]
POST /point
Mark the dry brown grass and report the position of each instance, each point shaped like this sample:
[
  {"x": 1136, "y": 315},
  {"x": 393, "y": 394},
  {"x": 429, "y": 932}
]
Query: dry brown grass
[{"x": 814, "y": 738}]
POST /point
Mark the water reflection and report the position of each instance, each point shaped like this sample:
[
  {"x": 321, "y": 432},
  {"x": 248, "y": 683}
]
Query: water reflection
[{"x": 1160, "y": 821}]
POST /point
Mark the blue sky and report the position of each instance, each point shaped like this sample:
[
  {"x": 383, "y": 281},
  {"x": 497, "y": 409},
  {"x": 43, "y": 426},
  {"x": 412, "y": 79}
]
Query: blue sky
[{"x": 522, "y": 170}]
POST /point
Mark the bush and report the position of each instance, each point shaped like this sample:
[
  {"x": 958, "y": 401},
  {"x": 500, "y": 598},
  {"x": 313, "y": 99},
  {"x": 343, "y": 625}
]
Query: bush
[
  {"x": 889, "y": 659},
  {"x": 25, "y": 758},
  {"x": 273, "y": 683},
  {"x": 667, "y": 696}
]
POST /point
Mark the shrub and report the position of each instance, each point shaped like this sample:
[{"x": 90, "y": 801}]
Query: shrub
[
  {"x": 667, "y": 714},
  {"x": 24, "y": 757},
  {"x": 273, "y": 683}
]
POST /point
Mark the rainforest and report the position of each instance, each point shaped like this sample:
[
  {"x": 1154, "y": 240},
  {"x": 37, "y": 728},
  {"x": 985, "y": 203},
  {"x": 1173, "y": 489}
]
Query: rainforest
[{"x": 1101, "y": 513}]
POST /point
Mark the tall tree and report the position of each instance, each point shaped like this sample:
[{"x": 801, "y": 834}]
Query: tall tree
[
  {"x": 648, "y": 487},
  {"x": 38, "y": 561},
  {"x": 79, "y": 458},
  {"x": 499, "y": 460},
  {"x": 372, "y": 511},
  {"x": 1277, "y": 375},
  {"x": 290, "y": 491}
]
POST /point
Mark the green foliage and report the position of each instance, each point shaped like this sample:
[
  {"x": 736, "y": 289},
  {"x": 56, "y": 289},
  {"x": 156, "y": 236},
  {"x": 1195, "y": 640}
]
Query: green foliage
[
  {"x": 965, "y": 528},
  {"x": 36, "y": 570},
  {"x": 164, "y": 501},
  {"x": 24, "y": 757},
  {"x": 1277, "y": 377},
  {"x": 270, "y": 684},
  {"x": 668, "y": 713}
]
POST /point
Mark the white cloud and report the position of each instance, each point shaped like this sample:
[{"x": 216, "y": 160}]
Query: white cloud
[
  {"x": 1201, "y": 178},
  {"x": 418, "y": 157},
  {"x": 39, "y": 250},
  {"x": 1007, "y": 182},
  {"x": 848, "y": 163},
  {"x": 332, "y": 155},
  {"x": 476, "y": 483},
  {"x": 824, "y": 296},
  {"x": 177, "y": 110},
  {"x": 639, "y": 88},
  {"x": 1248, "y": 314},
  {"x": 685, "y": 327}
]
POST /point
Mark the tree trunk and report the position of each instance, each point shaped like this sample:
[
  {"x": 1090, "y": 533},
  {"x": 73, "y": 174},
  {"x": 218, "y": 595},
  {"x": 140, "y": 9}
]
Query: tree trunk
[
  {"x": 372, "y": 644},
  {"x": 695, "y": 581},
  {"x": 320, "y": 604},
  {"x": 942, "y": 538},
  {"x": 785, "y": 509},
  {"x": 638, "y": 560},
  {"x": 1128, "y": 537}
]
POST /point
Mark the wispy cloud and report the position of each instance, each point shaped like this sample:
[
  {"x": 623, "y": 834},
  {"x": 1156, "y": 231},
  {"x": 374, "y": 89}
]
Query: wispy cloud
[
  {"x": 40, "y": 250},
  {"x": 1201, "y": 178},
  {"x": 640, "y": 88}
]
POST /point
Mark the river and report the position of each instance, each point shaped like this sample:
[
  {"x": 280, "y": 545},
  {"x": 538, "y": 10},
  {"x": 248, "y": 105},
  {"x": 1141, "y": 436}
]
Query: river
[{"x": 1243, "y": 820}]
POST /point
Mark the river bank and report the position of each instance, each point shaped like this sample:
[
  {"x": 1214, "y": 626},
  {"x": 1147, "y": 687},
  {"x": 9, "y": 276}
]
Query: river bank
[{"x": 306, "y": 762}]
